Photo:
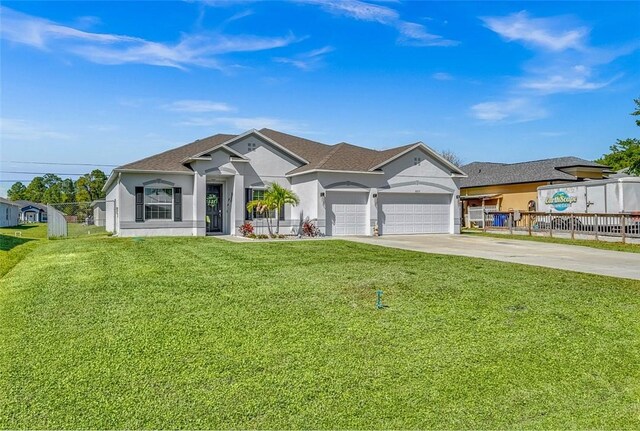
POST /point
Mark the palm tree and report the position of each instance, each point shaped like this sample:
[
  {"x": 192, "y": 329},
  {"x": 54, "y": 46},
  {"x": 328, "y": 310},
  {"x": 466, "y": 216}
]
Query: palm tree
[
  {"x": 275, "y": 198},
  {"x": 262, "y": 206}
]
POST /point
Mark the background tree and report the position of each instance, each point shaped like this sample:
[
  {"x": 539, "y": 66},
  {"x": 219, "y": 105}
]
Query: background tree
[
  {"x": 637, "y": 111},
  {"x": 53, "y": 192},
  {"x": 452, "y": 157},
  {"x": 89, "y": 186},
  {"x": 35, "y": 190},
  {"x": 17, "y": 191},
  {"x": 68, "y": 190},
  {"x": 625, "y": 153}
]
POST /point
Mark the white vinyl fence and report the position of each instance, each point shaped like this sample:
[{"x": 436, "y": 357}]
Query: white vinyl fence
[{"x": 75, "y": 219}]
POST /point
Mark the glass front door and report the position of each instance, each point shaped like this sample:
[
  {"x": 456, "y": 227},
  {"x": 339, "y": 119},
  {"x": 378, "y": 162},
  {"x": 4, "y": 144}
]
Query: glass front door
[{"x": 214, "y": 208}]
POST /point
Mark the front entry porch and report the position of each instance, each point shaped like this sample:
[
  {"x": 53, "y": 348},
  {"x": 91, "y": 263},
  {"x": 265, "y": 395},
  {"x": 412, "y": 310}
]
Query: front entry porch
[
  {"x": 214, "y": 219},
  {"x": 219, "y": 204}
]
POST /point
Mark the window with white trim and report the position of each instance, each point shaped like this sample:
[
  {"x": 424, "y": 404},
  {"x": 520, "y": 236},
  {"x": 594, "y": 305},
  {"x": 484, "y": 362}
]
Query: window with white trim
[
  {"x": 416, "y": 161},
  {"x": 158, "y": 203},
  {"x": 251, "y": 146},
  {"x": 258, "y": 195}
]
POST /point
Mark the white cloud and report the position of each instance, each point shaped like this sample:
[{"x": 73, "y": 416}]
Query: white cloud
[
  {"x": 566, "y": 81},
  {"x": 21, "y": 130},
  {"x": 564, "y": 61},
  {"x": 307, "y": 60},
  {"x": 198, "y": 106},
  {"x": 417, "y": 35},
  {"x": 548, "y": 33},
  {"x": 243, "y": 123},
  {"x": 200, "y": 49},
  {"x": 442, "y": 76},
  {"x": 358, "y": 10},
  {"x": 410, "y": 33},
  {"x": 513, "y": 110}
]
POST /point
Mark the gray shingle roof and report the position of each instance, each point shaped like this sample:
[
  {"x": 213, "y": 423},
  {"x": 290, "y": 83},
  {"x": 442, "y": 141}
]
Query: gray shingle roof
[
  {"x": 341, "y": 157},
  {"x": 487, "y": 173},
  {"x": 8, "y": 202},
  {"x": 23, "y": 203},
  {"x": 171, "y": 160}
]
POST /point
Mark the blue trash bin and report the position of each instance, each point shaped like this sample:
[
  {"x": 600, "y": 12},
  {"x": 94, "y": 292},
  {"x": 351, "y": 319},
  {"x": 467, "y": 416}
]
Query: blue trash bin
[{"x": 500, "y": 220}]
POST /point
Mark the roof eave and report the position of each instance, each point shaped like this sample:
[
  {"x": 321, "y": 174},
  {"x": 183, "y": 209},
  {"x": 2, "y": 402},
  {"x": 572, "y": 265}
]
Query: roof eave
[
  {"x": 260, "y": 135},
  {"x": 519, "y": 182},
  {"x": 201, "y": 156},
  {"x": 288, "y": 175},
  {"x": 454, "y": 169}
]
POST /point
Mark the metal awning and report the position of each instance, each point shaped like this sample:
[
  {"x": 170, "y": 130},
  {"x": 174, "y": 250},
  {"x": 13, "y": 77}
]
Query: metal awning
[{"x": 487, "y": 196}]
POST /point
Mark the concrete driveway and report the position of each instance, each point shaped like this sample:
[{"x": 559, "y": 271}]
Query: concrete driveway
[{"x": 559, "y": 256}]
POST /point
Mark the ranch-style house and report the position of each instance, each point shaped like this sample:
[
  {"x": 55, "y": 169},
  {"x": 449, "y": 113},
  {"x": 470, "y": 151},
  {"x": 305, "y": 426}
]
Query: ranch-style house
[{"x": 344, "y": 189}]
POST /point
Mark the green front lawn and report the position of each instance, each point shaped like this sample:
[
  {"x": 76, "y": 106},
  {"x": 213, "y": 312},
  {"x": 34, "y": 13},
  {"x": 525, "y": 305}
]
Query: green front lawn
[
  {"x": 17, "y": 242},
  {"x": 31, "y": 230},
  {"x": 603, "y": 245},
  {"x": 202, "y": 333}
]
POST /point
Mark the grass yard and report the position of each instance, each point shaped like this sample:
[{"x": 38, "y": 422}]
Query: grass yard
[
  {"x": 603, "y": 245},
  {"x": 18, "y": 241},
  {"x": 31, "y": 231},
  {"x": 107, "y": 333}
]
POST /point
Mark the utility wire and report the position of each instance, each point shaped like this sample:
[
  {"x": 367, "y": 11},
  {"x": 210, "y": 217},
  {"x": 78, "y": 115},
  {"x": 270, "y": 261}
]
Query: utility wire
[
  {"x": 36, "y": 173},
  {"x": 55, "y": 163}
]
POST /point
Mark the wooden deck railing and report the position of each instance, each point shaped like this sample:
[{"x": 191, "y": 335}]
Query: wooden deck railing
[{"x": 595, "y": 224}]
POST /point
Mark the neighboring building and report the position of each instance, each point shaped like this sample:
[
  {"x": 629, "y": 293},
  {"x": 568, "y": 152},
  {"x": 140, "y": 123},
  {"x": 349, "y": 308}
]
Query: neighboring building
[
  {"x": 31, "y": 212},
  {"x": 513, "y": 186},
  {"x": 99, "y": 213},
  {"x": 9, "y": 213},
  {"x": 345, "y": 189}
]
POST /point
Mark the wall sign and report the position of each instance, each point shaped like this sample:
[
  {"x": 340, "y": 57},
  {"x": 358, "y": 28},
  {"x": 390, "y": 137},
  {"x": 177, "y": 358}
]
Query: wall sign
[{"x": 561, "y": 200}]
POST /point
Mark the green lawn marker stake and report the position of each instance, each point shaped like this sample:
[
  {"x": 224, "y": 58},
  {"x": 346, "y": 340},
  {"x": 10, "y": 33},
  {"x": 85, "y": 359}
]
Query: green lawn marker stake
[{"x": 379, "y": 300}]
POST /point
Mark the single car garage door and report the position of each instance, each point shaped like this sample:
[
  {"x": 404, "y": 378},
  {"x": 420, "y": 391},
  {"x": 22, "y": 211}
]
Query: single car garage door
[
  {"x": 347, "y": 213},
  {"x": 414, "y": 213}
]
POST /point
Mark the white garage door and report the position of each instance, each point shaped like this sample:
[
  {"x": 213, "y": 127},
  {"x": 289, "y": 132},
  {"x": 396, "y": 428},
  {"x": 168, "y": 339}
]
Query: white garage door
[
  {"x": 347, "y": 213},
  {"x": 414, "y": 213}
]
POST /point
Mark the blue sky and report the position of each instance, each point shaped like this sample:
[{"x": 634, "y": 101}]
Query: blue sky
[{"x": 112, "y": 82}]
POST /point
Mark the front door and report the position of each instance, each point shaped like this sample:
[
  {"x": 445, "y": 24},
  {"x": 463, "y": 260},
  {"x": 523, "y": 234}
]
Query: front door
[{"x": 214, "y": 208}]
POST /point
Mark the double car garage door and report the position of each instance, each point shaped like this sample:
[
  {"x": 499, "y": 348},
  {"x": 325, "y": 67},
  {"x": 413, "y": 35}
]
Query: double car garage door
[{"x": 398, "y": 213}]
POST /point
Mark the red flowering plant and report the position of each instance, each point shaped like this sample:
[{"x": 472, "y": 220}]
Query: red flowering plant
[{"x": 246, "y": 229}]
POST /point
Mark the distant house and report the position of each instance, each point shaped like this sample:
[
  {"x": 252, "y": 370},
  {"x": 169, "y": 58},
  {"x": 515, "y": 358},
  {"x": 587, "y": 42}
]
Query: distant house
[
  {"x": 32, "y": 212},
  {"x": 9, "y": 213},
  {"x": 513, "y": 186}
]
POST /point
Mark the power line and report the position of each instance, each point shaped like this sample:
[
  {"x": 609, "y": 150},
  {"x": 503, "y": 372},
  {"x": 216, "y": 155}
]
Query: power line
[
  {"x": 60, "y": 164},
  {"x": 37, "y": 173}
]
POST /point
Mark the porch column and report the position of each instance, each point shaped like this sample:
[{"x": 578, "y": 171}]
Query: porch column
[
  {"x": 237, "y": 211},
  {"x": 373, "y": 211},
  {"x": 199, "y": 198}
]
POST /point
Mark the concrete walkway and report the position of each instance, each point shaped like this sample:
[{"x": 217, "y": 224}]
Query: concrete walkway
[{"x": 559, "y": 256}]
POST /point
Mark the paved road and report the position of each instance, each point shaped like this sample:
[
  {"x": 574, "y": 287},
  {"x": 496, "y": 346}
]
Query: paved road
[{"x": 560, "y": 256}]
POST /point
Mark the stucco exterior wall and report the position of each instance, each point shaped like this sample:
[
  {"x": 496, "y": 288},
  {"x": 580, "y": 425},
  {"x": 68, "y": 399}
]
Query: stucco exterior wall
[
  {"x": 514, "y": 196},
  {"x": 126, "y": 201},
  {"x": 9, "y": 215},
  {"x": 111, "y": 216},
  {"x": 307, "y": 189}
]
